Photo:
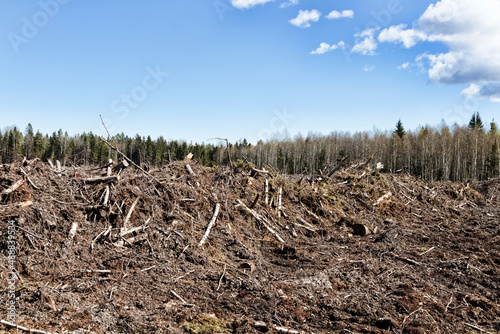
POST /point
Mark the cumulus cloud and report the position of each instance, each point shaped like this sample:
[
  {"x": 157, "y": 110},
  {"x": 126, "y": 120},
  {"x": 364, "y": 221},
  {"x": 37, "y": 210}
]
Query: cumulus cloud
[
  {"x": 399, "y": 34},
  {"x": 304, "y": 18},
  {"x": 338, "y": 15},
  {"x": 470, "y": 91},
  {"x": 289, "y": 3},
  {"x": 325, "y": 47},
  {"x": 366, "y": 43},
  {"x": 245, "y": 4},
  {"x": 470, "y": 30}
]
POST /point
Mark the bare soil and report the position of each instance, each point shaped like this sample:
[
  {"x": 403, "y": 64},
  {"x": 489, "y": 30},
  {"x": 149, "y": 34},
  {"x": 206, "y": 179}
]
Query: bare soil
[{"x": 429, "y": 263}]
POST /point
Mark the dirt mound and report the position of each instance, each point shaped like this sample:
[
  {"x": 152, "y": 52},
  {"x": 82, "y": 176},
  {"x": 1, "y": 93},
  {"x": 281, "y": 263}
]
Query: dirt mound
[{"x": 362, "y": 252}]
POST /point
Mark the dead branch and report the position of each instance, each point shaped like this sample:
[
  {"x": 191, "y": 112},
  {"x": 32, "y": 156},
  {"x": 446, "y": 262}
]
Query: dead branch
[
  {"x": 133, "y": 230},
  {"x": 255, "y": 201},
  {"x": 474, "y": 327},
  {"x": 24, "y": 329},
  {"x": 263, "y": 220},
  {"x": 333, "y": 171},
  {"x": 310, "y": 212},
  {"x": 405, "y": 259},
  {"x": 103, "y": 179},
  {"x": 427, "y": 251},
  {"x": 131, "y": 240},
  {"x": 367, "y": 161},
  {"x": 115, "y": 148},
  {"x": 127, "y": 219},
  {"x": 178, "y": 297},
  {"x": 209, "y": 228},
  {"x": 221, "y": 277},
  {"x": 263, "y": 171},
  {"x": 29, "y": 180},
  {"x": 99, "y": 236}
]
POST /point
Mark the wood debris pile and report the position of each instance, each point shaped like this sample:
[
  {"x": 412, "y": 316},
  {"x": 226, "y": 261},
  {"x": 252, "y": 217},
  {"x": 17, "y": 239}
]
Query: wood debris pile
[{"x": 190, "y": 249}]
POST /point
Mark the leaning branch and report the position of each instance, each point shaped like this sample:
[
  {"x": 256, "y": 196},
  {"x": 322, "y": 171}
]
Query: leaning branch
[
  {"x": 338, "y": 166},
  {"x": 115, "y": 148},
  {"x": 262, "y": 220},
  {"x": 210, "y": 225}
]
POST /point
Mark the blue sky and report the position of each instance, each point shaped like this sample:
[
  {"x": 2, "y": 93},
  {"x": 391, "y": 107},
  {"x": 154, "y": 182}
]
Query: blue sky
[{"x": 198, "y": 69}]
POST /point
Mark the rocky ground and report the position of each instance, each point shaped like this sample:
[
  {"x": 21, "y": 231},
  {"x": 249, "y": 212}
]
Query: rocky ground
[{"x": 362, "y": 252}]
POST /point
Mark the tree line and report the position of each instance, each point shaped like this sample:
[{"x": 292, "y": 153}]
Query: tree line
[{"x": 457, "y": 153}]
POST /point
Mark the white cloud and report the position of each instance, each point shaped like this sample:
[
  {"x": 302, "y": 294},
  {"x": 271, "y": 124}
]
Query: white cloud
[
  {"x": 245, "y": 4},
  {"x": 366, "y": 43},
  {"x": 304, "y": 18},
  {"x": 290, "y": 3},
  {"x": 338, "y": 15},
  {"x": 470, "y": 91},
  {"x": 470, "y": 30},
  {"x": 404, "y": 66},
  {"x": 368, "y": 68},
  {"x": 325, "y": 47},
  {"x": 399, "y": 34}
]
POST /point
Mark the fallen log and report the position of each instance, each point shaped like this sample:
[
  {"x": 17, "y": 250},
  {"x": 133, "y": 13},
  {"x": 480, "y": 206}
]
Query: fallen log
[
  {"x": 13, "y": 187},
  {"x": 121, "y": 166},
  {"x": 103, "y": 179}
]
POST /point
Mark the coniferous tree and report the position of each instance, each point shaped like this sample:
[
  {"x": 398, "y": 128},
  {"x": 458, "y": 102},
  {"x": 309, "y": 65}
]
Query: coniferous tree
[{"x": 476, "y": 122}]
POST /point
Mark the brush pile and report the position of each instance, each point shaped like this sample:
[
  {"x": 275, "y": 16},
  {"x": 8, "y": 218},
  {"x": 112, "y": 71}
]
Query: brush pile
[{"x": 189, "y": 249}]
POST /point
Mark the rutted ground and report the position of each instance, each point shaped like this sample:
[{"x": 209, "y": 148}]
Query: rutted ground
[{"x": 430, "y": 263}]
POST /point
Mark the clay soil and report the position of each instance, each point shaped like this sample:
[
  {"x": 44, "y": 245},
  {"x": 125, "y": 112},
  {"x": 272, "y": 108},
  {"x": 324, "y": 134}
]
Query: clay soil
[{"x": 363, "y": 252}]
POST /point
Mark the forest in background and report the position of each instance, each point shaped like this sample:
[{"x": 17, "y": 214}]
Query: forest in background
[{"x": 457, "y": 153}]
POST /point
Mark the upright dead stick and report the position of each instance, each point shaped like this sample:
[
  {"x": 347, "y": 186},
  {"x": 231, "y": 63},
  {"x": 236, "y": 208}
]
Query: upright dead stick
[
  {"x": 74, "y": 228},
  {"x": 109, "y": 169},
  {"x": 280, "y": 192},
  {"x": 190, "y": 170},
  {"x": 267, "y": 192},
  {"x": 106, "y": 196},
  {"x": 228, "y": 151},
  {"x": 212, "y": 222},
  {"x": 262, "y": 220}
]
